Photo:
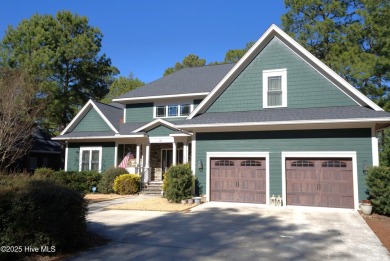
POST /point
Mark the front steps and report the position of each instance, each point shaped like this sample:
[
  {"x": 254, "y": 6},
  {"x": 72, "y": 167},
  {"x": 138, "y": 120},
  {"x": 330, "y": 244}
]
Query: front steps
[{"x": 153, "y": 188}]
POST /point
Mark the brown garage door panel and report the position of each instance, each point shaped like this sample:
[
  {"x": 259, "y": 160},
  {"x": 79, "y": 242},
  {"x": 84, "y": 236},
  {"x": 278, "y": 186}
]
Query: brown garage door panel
[
  {"x": 238, "y": 180},
  {"x": 319, "y": 182}
]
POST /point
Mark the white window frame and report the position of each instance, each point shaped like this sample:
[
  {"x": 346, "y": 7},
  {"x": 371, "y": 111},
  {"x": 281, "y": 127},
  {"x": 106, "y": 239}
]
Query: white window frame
[
  {"x": 275, "y": 73},
  {"x": 167, "y": 110},
  {"x": 90, "y": 149}
]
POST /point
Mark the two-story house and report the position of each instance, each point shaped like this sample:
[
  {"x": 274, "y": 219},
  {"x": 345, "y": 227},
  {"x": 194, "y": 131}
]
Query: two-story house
[{"x": 279, "y": 122}]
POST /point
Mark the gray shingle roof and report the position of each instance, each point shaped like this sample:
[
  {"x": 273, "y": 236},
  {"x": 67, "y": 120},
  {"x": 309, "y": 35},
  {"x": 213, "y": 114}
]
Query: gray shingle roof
[
  {"x": 112, "y": 113},
  {"x": 87, "y": 134},
  {"x": 285, "y": 114},
  {"x": 128, "y": 127},
  {"x": 184, "y": 81}
]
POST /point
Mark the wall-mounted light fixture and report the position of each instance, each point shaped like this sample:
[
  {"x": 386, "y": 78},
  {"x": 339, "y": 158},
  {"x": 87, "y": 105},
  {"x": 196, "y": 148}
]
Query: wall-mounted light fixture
[
  {"x": 200, "y": 165},
  {"x": 365, "y": 168}
]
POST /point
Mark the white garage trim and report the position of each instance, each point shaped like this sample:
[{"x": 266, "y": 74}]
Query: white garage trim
[
  {"x": 375, "y": 148},
  {"x": 257, "y": 154},
  {"x": 321, "y": 154}
]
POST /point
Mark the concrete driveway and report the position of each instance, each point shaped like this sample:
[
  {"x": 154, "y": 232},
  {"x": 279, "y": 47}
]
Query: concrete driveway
[{"x": 220, "y": 231}]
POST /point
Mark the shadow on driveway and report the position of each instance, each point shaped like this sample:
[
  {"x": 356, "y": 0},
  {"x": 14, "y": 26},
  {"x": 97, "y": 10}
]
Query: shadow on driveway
[{"x": 231, "y": 233}]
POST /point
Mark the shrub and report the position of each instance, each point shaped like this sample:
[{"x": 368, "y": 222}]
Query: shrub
[
  {"x": 127, "y": 184},
  {"x": 378, "y": 180},
  {"x": 107, "y": 181},
  {"x": 41, "y": 213},
  {"x": 82, "y": 181},
  {"x": 43, "y": 172},
  {"x": 178, "y": 183}
]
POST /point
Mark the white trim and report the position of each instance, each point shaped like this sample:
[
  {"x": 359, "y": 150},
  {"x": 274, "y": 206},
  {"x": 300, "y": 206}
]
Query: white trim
[
  {"x": 235, "y": 124},
  {"x": 101, "y": 137},
  {"x": 81, "y": 112},
  {"x": 375, "y": 147},
  {"x": 193, "y": 154},
  {"x": 154, "y": 123},
  {"x": 234, "y": 154},
  {"x": 116, "y": 154},
  {"x": 161, "y": 139},
  {"x": 66, "y": 156},
  {"x": 271, "y": 73},
  {"x": 322, "y": 154},
  {"x": 84, "y": 111},
  {"x": 272, "y": 31},
  {"x": 162, "y": 97},
  {"x": 100, "y": 149},
  {"x": 124, "y": 114}
]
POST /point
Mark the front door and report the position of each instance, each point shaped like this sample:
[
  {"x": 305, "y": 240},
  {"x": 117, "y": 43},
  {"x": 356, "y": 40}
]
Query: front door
[{"x": 167, "y": 158}]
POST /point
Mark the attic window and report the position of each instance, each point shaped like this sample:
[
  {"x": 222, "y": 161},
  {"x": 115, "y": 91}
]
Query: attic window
[{"x": 275, "y": 88}]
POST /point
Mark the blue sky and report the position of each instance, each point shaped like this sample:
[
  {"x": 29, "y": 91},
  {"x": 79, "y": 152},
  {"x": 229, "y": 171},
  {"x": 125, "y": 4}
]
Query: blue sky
[{"x": 147, "y": 36}]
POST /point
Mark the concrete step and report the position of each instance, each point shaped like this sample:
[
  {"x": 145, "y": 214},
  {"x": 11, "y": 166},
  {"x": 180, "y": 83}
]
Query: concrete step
[{"x": 153, "y": 188}]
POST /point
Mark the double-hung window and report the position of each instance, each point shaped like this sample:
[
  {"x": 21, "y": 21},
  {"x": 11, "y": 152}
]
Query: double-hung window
[
  {"x": 275, "y": 88},
  {"x": 90, "y": 158}
]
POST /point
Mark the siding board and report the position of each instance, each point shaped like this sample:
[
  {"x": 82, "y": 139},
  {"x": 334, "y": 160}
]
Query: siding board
[
  {"x": 108, "y": 154},
  {"x": 139, "y": 112},
  {"x": 275, "y": 142},
  {"x": 92, "y": 121},
  {"x": 305, "y": 86}
]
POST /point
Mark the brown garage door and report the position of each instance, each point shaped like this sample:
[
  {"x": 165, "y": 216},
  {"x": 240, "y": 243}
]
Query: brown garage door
[
  {"x": 319, "y": 182},
  {"x": 237, "y": 180}
]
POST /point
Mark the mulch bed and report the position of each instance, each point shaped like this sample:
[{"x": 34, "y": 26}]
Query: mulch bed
[{"x": 380, "y": 225}]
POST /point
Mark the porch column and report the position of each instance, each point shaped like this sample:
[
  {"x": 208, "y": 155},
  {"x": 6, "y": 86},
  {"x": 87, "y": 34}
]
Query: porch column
[
  {"x": 185, "y": 152},
  {"x": 174, "y": 154},
  {"x": 147, "y": 163},
  {"x": 137, "y": 158}
]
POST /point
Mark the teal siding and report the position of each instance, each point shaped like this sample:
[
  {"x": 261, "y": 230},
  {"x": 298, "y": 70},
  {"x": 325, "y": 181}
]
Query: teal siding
[
  {"x": 108, "y": 154},
  {"x": 275, "y": 142},
  {"x": 305, "y": 86},
  {"x": 139, "y": 112},
  {"x": 160, "y": 131},
  {"x": 92, "y": 121}
]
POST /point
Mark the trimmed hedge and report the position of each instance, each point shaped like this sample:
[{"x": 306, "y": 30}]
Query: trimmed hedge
[
  {"x": 82, "y": 181},
  {"x": 378, "y": 182},
  {"x": 127, "y": 184},
  {"x": 107, "y": 181},
  {"x": 178, "y": 183},
  {"x": 40, "y": 212}
]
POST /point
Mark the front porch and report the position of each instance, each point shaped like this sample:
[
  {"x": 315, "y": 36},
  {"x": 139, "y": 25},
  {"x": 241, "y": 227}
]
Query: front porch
[{"x": 152, "y": 157}]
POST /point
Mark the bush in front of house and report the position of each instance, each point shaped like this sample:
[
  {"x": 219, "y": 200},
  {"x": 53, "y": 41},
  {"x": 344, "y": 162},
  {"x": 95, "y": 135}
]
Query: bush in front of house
[
  {"x": 178, "y": 183},
  {"x": 378, "y": 180},
  {"x": 43, "y": 172},
  {"x": 127, "y": 184},
  {"x": 107, "y": 181},
  {"x": 40, "y": 212},
  {"x": 82, "y": 181}
]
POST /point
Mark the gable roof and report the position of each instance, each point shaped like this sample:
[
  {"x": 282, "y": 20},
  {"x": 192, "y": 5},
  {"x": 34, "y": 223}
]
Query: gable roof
[
  {"x": 109, "y": 113},
  {"x": 274, "y": 31},
  {"x": 191, "y": 82}
]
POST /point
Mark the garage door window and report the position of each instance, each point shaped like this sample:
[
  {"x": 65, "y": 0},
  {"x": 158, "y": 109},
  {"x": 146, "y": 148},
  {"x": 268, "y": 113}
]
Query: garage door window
[
  {"x": 251, "y": 163},
  {"x": 302, "y": 163},
  {"x": 224, "y": 163},
  {"x": 334, "y": 163}
]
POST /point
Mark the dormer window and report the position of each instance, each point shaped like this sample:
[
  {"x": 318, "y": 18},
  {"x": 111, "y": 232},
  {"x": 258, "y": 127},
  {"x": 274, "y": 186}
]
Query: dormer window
[
  {"x": 173, "y": 110},
  {"x": 275, "y": 88}
]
